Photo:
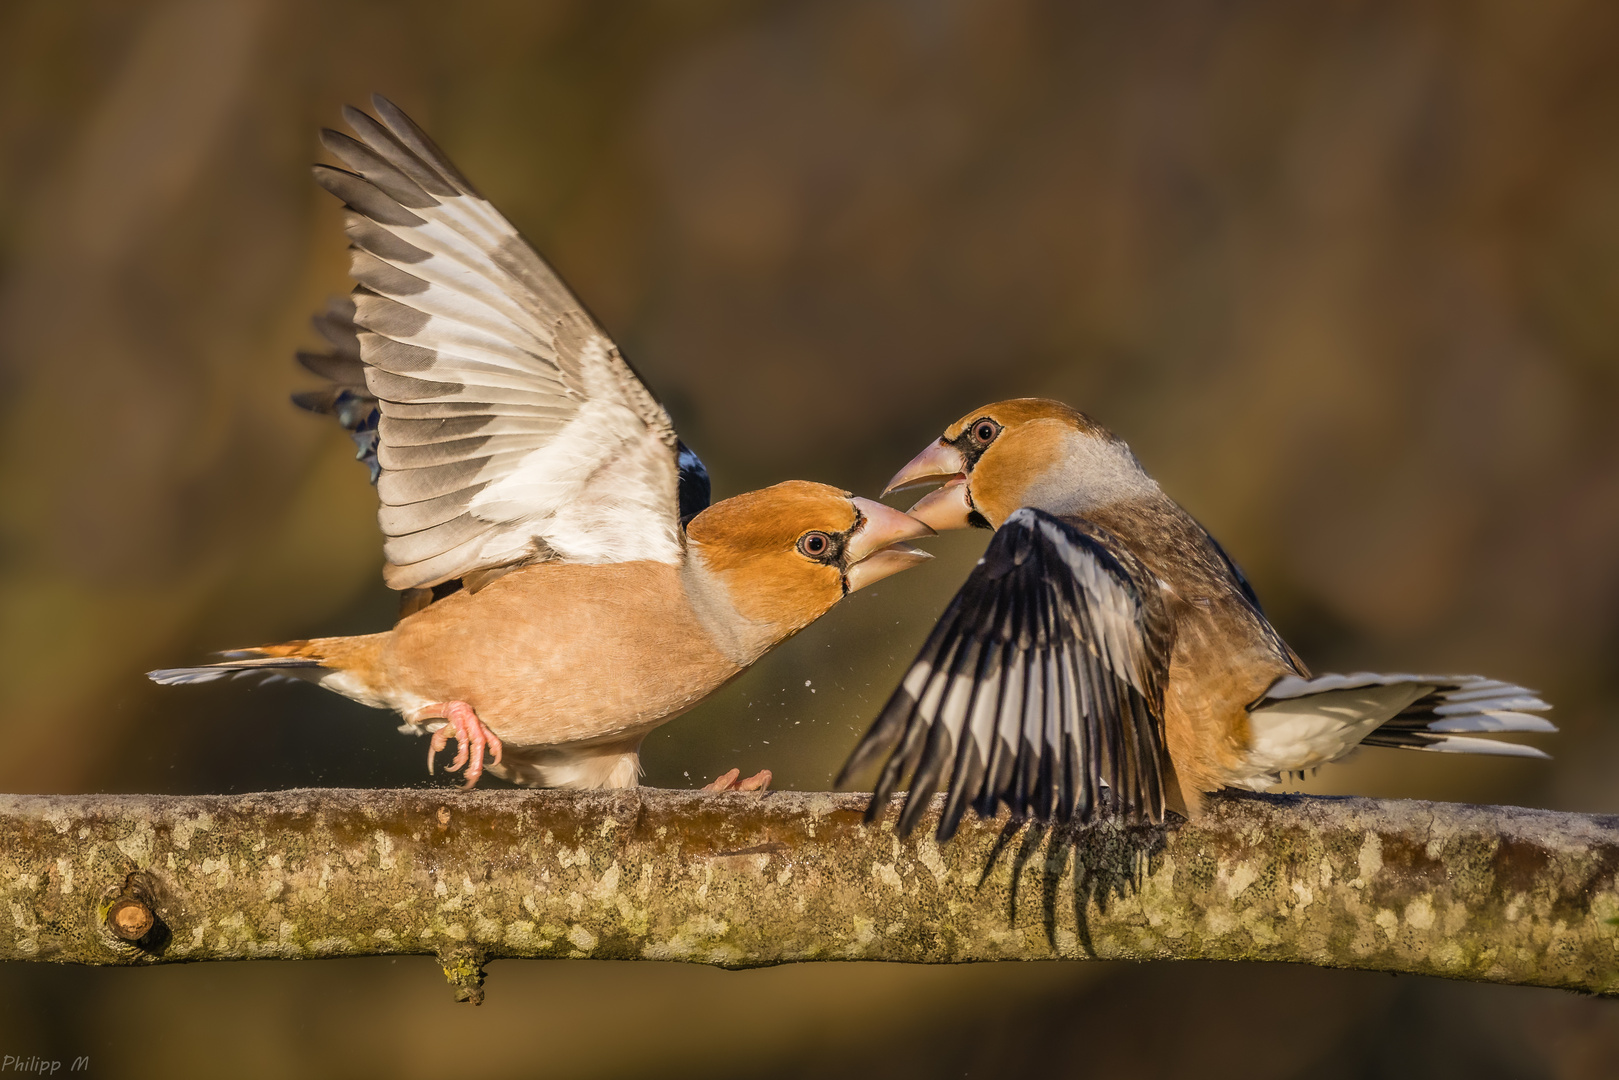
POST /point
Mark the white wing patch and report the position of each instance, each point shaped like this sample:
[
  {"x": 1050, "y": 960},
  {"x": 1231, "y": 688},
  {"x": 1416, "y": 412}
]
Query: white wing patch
[
  {"x": 511, "y": 428},
  {"x": 596, "y": 490}
]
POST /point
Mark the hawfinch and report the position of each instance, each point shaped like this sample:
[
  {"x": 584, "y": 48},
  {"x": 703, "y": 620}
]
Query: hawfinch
[
  {"x": 1106, "y": 641},
  {"x": 567, "y": 587}
]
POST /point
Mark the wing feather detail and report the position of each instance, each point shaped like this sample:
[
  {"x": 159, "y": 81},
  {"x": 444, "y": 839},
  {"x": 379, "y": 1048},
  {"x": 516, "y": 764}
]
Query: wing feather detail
[
  {"x": 502, "y": 423},
  {"x": 1041, "y": 685}
]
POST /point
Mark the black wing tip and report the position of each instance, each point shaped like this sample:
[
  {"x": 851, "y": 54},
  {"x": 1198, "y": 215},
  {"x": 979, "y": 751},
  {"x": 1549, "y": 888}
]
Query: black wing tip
[
  {"x": 339, "y": 371},
  {"x": 357, "y": 413},
  {"x": 332, "y": 139},
  {"x": 886, "y": 734},
  {"x": 911, "y": 815},
  {"x": 950, "y": 820},
  {"x": 335, "y": 323},
  {"x": 324, "y": 172},
  {"x": 349, "y": 401},
  {"x": 876, "y": 806},
  {"x": 413, "y": 138},
  {"x": 860, "y": 759},
  {"x": 315, "y": 401},
  {"x": 947, "y": 828},
  {"x": 917, "y": 802},
  {"x": 364, "y": 197}
]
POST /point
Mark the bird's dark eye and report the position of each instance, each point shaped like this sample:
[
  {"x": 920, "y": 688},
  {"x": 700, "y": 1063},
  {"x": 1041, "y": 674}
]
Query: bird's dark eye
[
  {"x": 815, "y": 544},
  {"x": 985, "y": 430}
]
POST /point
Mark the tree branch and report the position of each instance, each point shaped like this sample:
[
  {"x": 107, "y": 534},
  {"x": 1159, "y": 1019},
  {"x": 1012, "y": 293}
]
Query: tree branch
[{"x": 1486, "y": 893}]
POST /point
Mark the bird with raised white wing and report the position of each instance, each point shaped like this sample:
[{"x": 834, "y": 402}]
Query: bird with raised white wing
[
  {"x": 1107, "y": 658},
  {"x": 567, "y": 587}
]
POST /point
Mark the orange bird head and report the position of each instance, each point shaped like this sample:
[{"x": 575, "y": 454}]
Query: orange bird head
[
  {"x": 787, "y": 553},
  {"x": 1023, "y": 452}
]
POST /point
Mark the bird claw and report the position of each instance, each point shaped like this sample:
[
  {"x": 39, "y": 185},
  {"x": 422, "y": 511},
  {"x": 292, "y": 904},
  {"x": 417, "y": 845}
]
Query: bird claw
[
  {"x": 759, "y": 781},
  {"x": 473, "y": 738}
]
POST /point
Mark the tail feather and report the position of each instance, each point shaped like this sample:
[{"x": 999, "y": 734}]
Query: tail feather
[
  {"x": 1446, "y": 704},
  {"x": 343, "y": 665},
  {"x": 1491, "y": 721},
  {"x": 1454, "y": 744},
  {"x": 267, "y": 660},
  {"x": 1488, "y": 690}
]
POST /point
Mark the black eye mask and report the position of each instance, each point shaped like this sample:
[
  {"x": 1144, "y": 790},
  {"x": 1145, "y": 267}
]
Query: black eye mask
[
  {"x": 835, "y": 543},
  {"x": 970, "y": 448}
]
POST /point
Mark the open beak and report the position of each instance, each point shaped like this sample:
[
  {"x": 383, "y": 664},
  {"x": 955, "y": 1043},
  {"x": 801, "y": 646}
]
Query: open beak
[
  {"x": 877, "y": 549},
  {"x": 938, "y": 462},
  {"x": 946, "y": 508}
]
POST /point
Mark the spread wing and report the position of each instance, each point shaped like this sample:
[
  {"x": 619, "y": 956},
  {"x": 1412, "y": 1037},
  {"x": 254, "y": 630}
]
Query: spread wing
[
  {"x": 1042, "y": 683},
  {"x": 508, "y": 428}
]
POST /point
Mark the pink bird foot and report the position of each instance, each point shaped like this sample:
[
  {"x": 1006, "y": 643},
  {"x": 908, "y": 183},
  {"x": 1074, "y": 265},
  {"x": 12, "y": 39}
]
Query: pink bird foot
[
  {"x": 759, "y": 781},
  {"x": 472, "y": 737}
]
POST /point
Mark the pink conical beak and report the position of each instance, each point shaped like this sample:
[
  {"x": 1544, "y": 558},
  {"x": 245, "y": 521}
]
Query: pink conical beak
[
  {"x": 877, "y": 549},
  {"x": 946, "y": 508},
  {"x": 937, "y": 462}
]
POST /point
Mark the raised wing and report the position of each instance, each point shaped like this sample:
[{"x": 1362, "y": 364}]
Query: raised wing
[
  {"x": 510, "y": 430},
  {"x": 1042, "y": 683},
  {"x": 347, "y": 398}
]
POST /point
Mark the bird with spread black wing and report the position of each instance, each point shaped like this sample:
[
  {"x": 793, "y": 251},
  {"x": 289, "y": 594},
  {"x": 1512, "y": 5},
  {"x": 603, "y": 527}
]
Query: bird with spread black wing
[{"x": 1106, "y": 657}]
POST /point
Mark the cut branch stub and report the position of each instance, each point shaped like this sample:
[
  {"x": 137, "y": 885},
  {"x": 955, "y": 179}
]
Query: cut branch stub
[
  {"x": 130, "y": 919},
  {"x": 1486, "y": 893},
  {"x": 130, "y": 913}
]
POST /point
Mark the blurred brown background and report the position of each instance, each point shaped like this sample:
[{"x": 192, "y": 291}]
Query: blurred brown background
[{"x": 1346, "y": 275}]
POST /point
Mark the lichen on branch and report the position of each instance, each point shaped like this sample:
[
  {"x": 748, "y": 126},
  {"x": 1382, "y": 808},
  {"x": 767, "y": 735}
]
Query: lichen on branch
[{"x": 1487, "y": 893}]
